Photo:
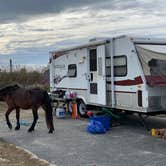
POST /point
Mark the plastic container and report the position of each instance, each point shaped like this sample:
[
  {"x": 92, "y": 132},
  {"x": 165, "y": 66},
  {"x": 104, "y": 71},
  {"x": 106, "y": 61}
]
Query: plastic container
[
  {"x": 105, "y": 120},
  {"x": 74, "y": 110},
  {"x": 60, "y": 112},
  {"x": 96, "y": 127}
]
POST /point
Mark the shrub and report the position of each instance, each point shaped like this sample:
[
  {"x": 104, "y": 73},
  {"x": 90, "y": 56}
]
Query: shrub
[{"x": 33, "y": 78}]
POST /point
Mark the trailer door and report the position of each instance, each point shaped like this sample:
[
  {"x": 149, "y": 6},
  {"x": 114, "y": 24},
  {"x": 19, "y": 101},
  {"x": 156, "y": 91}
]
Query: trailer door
[{"x": 97, "y": 82}]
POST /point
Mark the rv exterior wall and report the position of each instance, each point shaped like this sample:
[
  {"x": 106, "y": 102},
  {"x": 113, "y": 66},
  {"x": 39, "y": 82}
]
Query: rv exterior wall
[
  {"x": 126, "y": 89},
  {"x": 129, "y": 88},
  {"x": 52, "y": 73},
  {"x": 73, "y": 57}
]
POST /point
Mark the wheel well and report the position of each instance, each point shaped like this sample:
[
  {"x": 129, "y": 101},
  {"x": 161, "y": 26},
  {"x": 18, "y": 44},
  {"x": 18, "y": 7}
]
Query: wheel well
[{"x": 79, "y": 100}]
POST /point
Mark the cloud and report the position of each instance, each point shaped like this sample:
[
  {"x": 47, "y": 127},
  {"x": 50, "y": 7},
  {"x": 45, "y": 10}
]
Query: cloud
[
  {"x": 34, "y": 27},
  {"x": 21, "y": 10}
]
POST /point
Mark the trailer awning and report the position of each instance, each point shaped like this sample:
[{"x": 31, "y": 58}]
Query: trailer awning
[
  {"x": 153, "y": 61},
  {"x": 95, "y": 43}
]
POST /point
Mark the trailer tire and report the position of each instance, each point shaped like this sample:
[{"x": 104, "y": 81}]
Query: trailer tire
[{"x": 82, "y": 109}]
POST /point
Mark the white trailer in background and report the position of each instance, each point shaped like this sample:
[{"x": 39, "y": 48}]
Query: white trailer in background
[{"x": 122, "y": 73}]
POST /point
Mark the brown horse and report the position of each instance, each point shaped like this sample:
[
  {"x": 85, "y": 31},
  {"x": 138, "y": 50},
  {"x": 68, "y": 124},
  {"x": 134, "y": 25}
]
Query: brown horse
[{"x": 18, "y": 97}]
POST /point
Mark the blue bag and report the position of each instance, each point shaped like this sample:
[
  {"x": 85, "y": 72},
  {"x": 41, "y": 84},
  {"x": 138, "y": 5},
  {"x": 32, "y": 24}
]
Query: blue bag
[{"x": 95, "y": 127}]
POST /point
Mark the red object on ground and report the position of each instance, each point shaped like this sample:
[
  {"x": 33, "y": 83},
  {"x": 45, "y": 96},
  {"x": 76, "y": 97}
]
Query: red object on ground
[{"x": 89, "y": 113}]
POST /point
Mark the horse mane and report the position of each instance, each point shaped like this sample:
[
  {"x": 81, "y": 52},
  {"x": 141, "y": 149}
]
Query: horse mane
[{"x": 9, "y": 88}]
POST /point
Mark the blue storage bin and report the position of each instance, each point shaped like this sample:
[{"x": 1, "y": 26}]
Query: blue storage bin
[{"x": 105, "y": 120}]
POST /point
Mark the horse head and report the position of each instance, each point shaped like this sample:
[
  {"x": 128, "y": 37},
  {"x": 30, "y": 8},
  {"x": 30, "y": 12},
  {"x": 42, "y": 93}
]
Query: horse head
[{"x": 7, "y": 89}]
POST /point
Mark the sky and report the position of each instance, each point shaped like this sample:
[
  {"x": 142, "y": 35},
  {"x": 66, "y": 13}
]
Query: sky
[{"x": 29, "y": 29}]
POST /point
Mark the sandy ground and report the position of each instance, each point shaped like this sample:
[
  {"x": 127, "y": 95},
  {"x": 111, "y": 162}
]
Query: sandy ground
[{"x": 11, "y": 155}]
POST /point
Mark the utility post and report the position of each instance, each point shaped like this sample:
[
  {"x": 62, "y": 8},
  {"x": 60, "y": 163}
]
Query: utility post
[{"x": 11, "y": 66}]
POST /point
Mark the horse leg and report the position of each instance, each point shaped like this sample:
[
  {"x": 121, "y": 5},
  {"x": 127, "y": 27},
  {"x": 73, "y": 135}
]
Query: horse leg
[
  {"x": 35, "y": 118},
  {"x": 7, "y": 117},
  {"x": 18, "y": 119}
]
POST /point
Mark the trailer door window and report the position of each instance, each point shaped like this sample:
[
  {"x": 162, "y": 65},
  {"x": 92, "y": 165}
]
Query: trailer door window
[
  {"x": 72, "y": 70},
  {"x": 93, "y": 60},
  {"x": 120, "y": 66}
]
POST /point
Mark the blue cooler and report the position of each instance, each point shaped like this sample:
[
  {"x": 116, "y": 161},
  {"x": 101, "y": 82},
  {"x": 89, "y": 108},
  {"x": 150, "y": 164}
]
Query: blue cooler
[{"x": 60, "y": 112}]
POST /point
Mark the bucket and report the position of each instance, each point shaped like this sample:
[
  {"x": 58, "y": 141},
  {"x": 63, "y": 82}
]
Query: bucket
[
  {"x": 60, "y": 112},
  {"x": 104, "y": 120}
]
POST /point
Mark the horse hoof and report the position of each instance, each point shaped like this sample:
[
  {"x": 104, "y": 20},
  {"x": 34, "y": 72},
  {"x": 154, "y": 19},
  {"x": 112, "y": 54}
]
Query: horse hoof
[
  {"x": 9, "y": 125},
  {"x": 30, "y": 130},
  {"x": 50, "y": 131},
  {"x": 17, "y": 127}
]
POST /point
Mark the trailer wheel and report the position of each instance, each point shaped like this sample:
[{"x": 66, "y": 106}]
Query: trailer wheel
[{"x": 82, "y": 109}]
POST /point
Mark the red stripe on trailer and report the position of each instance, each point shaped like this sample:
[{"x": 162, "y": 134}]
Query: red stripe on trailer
[{"x": 137, "y": 80}]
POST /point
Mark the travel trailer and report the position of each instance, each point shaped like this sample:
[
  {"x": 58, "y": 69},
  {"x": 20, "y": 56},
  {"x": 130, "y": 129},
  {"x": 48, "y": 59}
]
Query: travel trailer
[{"x": 123, "y": 73}]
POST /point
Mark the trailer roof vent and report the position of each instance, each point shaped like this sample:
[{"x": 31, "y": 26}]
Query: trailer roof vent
[
  {"x": 93, "y": 39},
  {"x": 99, "y": 39}
]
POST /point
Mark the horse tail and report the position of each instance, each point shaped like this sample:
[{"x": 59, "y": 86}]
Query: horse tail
[{"x": 48, "y": 112}]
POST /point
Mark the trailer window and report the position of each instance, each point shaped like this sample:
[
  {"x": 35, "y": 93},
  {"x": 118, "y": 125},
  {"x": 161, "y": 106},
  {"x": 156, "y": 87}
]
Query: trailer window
[
  {"x": 93, "y": 60},
  {"x": 72, "y": 70},
  {"x": 120, "y": 66}
]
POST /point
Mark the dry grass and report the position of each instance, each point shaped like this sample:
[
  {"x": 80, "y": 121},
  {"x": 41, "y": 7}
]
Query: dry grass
[
  {"x": 3, "y": 107},
  {"x": 10, "y": 155}
]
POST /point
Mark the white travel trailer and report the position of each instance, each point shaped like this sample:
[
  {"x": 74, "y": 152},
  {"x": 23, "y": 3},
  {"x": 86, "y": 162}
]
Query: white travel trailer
[{"x": 122, "y": 73}]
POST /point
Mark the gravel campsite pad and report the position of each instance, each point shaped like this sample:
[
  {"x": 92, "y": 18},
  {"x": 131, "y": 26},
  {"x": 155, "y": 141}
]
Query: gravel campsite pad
[{"x": 127, "y": 144}]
